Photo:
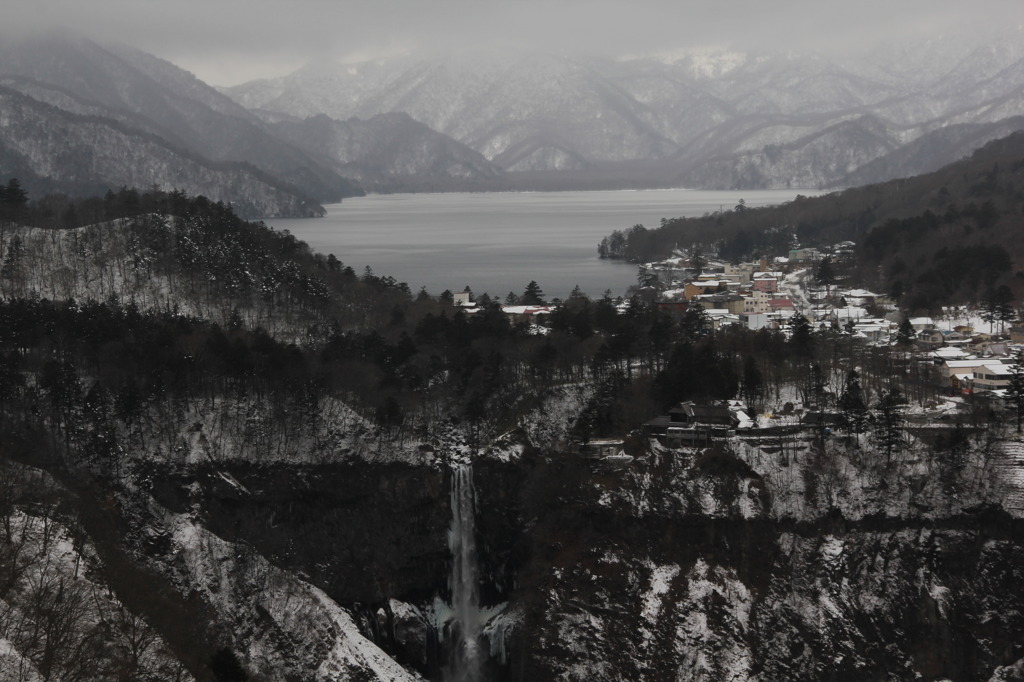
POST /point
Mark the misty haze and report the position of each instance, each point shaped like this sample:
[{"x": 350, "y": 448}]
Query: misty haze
[{"x": 473, "y": 342}]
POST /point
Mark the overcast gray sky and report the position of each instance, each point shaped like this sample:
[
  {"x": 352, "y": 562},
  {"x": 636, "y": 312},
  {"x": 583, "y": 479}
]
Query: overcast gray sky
[{"x": 229, "y": 41}]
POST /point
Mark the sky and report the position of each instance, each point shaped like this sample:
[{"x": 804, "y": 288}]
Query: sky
[{"x": 225, "y": 42}]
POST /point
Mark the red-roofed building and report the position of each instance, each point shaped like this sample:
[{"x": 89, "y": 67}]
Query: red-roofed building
[
  {"x": 781, "y": 305},
  {"x": 769, "y": 285}
]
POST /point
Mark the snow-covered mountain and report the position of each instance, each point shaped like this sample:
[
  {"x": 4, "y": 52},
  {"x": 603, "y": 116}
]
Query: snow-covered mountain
[
  {"x": 128, "y": 118},
  {"x": 712, "y": 118},
  {"x": 154, "y": 98},
  {"x": 388, "y": 152},
  {"x": 683, "y": 112},
  {"x": 55, "y": 150}
]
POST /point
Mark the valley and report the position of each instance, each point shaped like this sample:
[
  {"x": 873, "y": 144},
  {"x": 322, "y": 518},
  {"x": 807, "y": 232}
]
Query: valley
[
  {"x": 371, "y": 370},
  {"x": 231, "y": 457}
]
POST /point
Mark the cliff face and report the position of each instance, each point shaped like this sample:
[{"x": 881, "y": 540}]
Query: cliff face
[
  {"x": 363, "y": 533},
  {"x": 711, "y": 586},
  {"x": 735, "y": 562},
  {"x": 700, "y": 601},
  {"x": 204, "y": 517}
]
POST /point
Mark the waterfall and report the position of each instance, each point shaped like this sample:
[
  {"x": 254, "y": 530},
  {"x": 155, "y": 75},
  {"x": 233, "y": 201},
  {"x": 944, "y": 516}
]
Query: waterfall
[{"x": 464, "y": 653}]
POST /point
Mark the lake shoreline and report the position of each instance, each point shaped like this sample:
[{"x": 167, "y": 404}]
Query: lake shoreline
[{"x": 497, "y": 242}]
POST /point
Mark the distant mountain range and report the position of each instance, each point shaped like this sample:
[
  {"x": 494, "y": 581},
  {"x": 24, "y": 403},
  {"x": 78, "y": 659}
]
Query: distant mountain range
[
  {"x": 80, "y": 118},
  {"x": 53, "y": 150},
  {"x": 712, "y": 119},
  {"x": 389, "y": 152}
]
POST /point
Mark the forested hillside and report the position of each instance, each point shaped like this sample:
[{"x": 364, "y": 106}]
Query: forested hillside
[
  {"x": 59, "y": 151},
  {"x": 930, "y": 240},
  {"x": 83, "y": 118},
  {"x": 226, "y": 457}
]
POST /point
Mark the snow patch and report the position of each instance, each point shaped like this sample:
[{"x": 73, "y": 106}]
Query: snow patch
[
  {"x": 661, "y": 582},
  {"x": 13, "y": 665},
  {"x": 238, "y": 582}
]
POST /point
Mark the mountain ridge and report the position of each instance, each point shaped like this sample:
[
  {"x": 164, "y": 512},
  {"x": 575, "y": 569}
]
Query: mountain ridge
[
  {"x": 57, "y": 150},
  {"x": 543, "y": 112}
]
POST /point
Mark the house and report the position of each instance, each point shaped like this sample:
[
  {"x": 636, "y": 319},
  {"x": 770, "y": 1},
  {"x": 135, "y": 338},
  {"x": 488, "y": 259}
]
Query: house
[
  {"x": 844, "y": 316},
  {"x": 732, "y": 302},
  {"x": 961, "y": 372},
  {"x": 607, "y": 452},
  {"x": 993, "y": 348},
  {"x": 804, "y": 255},
  {"x": 766, "y": 283},
  {"x": 922, "y": 323},
  {"x": 822, "y": 420},
  {"x": 692, "y": 413},
  {"x": 992, "y": 377},
  {"x": 961, "y": 383},
  {"x": 858, "y": 296},
  {"x": 701, "y": 287},
  {"x": 692, "y": 421},
  {"x": 713, "y": 267},
  {"x": 979, "y": 340},
  {"x": 530, "y": 314},
  {"x": 874, "y": 330},
  {"x": 940, "y": 355},
  {"x": 930, "y": 338},
  {"x": 816, "y": 295},
  {"x": 967, "y": 365},
  {"x": 721, "y": 317},
  {"x": 754, "y": 321},
  {"x": 781, "y": 305},
  {"x": 741, "y": 273},
  {"x": 757, "y": 302},
  {"x": 599, "y": 448}
]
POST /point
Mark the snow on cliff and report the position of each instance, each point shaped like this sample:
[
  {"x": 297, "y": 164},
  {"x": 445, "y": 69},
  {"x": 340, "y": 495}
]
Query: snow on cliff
[{"x": 283, "y": 626}]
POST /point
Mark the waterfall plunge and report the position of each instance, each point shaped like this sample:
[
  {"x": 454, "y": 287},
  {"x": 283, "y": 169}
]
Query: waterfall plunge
[{"x": 464, "y": 649}]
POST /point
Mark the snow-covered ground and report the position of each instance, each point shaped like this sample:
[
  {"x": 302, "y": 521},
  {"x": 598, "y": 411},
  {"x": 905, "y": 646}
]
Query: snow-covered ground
[{"x": 268, "y": 606}]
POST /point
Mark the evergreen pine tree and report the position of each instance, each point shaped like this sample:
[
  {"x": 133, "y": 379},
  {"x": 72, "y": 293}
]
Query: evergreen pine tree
[
  {"x": 826, "y": 274},
  {"x": 801, "y": 336},
  {"x": 1015, "y": 389},
  {"x": 997, "y": 306},
  {"x": 852, "y": 407},
  {"x": 532, "y": 295},
  {"x": 905, "y": 335},
  {"x": 695, "y": 322},
  {"x": 752, "y": 383},
  {"x": 12, "y": 199},
  {"x": 888, "y": 422},
  {"x": 697, "y": 260}
]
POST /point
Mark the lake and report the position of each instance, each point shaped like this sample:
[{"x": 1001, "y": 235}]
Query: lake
[{"x": 496, "y": 242}]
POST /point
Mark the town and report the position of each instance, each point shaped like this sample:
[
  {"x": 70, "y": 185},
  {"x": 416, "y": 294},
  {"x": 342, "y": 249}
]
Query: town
[{"x": 960, "y": 360}]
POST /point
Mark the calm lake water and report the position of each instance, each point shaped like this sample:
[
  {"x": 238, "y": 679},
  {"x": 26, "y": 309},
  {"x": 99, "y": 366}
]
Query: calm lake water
[{"x": 498, "y": 242}]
